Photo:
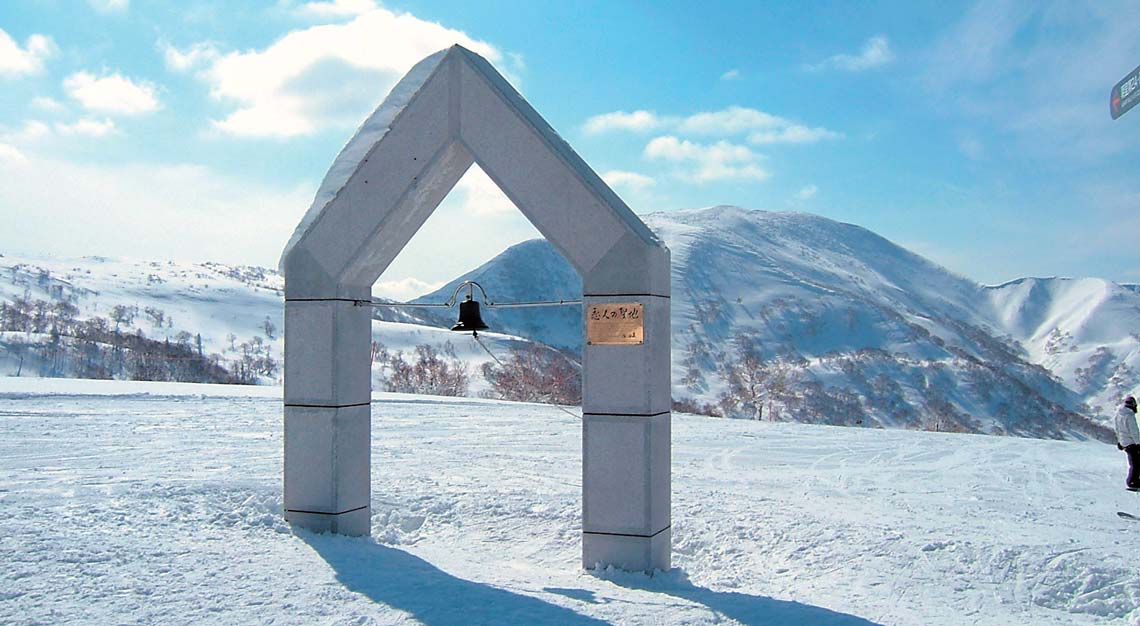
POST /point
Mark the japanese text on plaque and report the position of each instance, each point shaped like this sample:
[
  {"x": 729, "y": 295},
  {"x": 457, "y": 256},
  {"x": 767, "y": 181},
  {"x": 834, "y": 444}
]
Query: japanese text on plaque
[{"x": 615, "y": 324}]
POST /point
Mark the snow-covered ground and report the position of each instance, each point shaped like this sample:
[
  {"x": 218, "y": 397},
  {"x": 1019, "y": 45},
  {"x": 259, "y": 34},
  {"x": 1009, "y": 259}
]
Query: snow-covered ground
[{"x": 160, "y": 503}]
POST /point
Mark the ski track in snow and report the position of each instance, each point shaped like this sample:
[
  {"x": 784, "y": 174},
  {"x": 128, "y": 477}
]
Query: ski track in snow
[{"x": 161, "y": 504}]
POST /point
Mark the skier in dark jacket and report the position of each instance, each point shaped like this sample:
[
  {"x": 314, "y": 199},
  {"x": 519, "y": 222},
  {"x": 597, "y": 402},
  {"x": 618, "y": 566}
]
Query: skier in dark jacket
[{"x": 1128, "y": 439}]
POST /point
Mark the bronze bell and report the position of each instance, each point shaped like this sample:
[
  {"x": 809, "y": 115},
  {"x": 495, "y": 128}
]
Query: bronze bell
[{"x": 469, "y": 318}]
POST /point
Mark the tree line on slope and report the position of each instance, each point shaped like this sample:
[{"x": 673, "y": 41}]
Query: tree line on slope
[
  {"x": 878, "y": 389},
  {"x": 530, "y": 373},
  {"x": 51, "y": 336}
]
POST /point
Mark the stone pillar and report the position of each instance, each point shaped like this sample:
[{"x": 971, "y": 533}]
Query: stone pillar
[
  {"x": 626, "y": 455},
  {"x": 327, "y": 415}
]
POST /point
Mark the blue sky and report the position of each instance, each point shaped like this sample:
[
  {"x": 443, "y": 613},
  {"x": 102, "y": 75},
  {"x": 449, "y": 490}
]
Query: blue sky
[{"x": 977, "y": 134}]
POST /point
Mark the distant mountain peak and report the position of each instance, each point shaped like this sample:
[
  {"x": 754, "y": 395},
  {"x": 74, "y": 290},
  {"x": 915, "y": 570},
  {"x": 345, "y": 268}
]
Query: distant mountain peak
[{"x": 842, "y": 307}]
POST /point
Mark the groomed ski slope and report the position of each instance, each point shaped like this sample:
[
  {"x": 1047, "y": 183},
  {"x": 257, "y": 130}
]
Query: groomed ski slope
[{"x": 159, "y": 503}]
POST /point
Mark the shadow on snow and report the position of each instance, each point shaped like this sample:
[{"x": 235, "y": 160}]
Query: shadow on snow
[
  {"x": 744, "y": 608},
  {"x": 406, "y": 582},
  {"x": 402, "y": 581}
]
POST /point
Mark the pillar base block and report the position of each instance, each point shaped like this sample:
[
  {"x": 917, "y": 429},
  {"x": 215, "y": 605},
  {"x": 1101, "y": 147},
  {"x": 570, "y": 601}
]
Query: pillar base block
[
  {"x": 357, "y": 523},
  {"x": 627, "y": 552}
]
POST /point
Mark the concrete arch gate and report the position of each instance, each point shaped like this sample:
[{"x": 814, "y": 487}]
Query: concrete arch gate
[{"x": 453, "y": 109}]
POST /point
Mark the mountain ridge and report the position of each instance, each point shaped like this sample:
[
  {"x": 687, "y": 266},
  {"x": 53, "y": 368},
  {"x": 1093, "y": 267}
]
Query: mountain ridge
[
  {"x": 808, "y": 289},
  {"x": 776, "y": 315}
]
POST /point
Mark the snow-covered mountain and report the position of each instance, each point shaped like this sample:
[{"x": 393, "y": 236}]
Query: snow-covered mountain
[
  {"x": 531, "y": 270},
  {"x": 783, "y": 316},
  {"x": 93, "y": 307},
  {"x": 1086, "y": 331},
  {"x": 846, "y": 327},
  {"x": 97, "y": 317}
]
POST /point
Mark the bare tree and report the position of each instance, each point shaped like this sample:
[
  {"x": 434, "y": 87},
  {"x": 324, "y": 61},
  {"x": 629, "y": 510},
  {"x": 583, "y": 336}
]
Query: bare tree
[
  {"x": 536, "y": 374},
  {"x": 269, "y": 327},
  {"x": 431, "y": 372},
  {"x": 123, "y": 315},
  {"x": 757, "y": 388}
]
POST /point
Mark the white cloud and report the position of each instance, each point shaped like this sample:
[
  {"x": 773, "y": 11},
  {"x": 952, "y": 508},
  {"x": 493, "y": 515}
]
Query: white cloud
[
  {"x": 719, "y": 161},
  {"x": 86, "y": 128},
  {"x": 151, "y": 211},
  {"x": 794, "y": 134},
  {"x": 197, "y": 213},
  {"x": 198, "y": 55},
  {"x": 734, "y": 120},
  {"x": 620, "y": 120},
  {"x": 404, "y": 289},
  {"x": 113, "y": 94},
  {"x": 629, "y": 180},
  {"x": 672, "y": 149},
  {"x": 11, "y": 153},
  {"x": 17, "y": 61},
  {"x": 875, "y": 53},
  {"x": 322, "y": 76},
  {"x": 336, "y": 8},
  {"x": 110, "y": 6},
  {"x": 808, "y": 192},
  {"x": 49, "y": 105},
  {"x": 480, "y": 196},
  {"x": 729, "y": 121},
  {"x": 32, "y": 131},
  {"x": 978, "y": 47},
  {"x": 1003, "y": 69},
  {"x": 732, "y": 74}
]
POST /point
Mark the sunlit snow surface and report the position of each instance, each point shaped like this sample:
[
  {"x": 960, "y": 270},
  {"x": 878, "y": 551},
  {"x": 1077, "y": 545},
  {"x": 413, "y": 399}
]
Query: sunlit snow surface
[{"x": 124, "y": 503}]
